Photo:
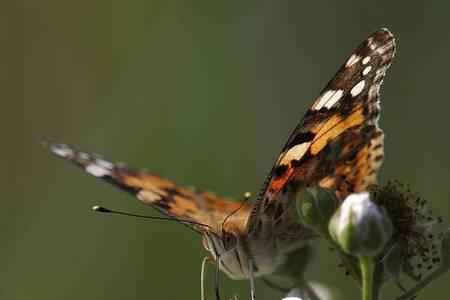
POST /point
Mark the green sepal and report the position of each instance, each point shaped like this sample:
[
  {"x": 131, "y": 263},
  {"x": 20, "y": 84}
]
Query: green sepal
[{"x": 315, "y": 206}]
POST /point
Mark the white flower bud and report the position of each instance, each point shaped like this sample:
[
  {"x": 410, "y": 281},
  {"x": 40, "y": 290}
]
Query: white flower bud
[
  {"x": 360, "y": 227},
  {"x": 312, "y": 290}
]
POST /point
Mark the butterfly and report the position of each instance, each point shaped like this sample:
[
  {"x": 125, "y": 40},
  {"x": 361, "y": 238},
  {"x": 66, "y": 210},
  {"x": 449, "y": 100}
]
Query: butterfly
[{"x": 337, "y": 145}]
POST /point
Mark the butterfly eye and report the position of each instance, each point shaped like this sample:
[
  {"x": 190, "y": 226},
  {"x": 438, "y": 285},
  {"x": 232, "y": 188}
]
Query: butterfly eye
[{"x": 229, "y": 241}]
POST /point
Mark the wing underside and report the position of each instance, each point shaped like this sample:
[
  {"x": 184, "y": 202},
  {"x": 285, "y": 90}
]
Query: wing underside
[
  {"x": 175, "y": 201},
  {"x": 338, "y": 143}
]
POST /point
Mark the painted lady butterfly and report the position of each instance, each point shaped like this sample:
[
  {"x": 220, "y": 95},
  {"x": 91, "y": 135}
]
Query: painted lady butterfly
[{"x": 337, "y": 145}]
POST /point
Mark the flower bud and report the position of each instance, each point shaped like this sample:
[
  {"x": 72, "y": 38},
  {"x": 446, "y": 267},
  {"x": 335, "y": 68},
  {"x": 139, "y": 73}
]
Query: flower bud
[
  {"x": 360, "y": 227},
  {"x": 445, "y": 248},
  {"x": 311, "y": 290},
  {"x": 315, "y": 207}
]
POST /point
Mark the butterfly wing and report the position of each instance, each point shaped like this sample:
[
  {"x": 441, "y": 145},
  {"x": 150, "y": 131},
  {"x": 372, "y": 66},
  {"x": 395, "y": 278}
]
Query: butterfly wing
[
  {"x": 177, "y": 202},
  {"x": 337, "y": 144}
]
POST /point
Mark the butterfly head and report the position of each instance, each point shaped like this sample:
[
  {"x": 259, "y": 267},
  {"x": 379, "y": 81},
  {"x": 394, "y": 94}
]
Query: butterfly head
[
  {"x": 229, "y": 240},
  {"x": 219, "y": 242},
  {"x": 225, "y": 236},
  {"x": 227, "y": 248}
]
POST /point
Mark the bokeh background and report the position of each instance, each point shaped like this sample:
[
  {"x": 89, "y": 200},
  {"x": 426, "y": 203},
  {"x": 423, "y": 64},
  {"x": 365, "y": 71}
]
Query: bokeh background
[{"x": 204, "y": 92}]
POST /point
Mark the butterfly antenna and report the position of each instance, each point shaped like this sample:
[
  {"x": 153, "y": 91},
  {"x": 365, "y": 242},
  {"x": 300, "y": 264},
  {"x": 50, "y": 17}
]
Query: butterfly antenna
[
  {"x": 101, "y": 209},
  {"x": 247, "y": 196}
]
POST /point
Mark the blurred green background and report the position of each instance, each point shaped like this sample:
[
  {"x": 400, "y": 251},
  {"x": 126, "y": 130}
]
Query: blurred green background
[{"x": 204, "y": 92}]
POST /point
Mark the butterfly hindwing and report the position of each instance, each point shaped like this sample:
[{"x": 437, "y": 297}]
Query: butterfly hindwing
[
  {"x": 337, "y": 144},
  {"x": 175, "y": 201}
]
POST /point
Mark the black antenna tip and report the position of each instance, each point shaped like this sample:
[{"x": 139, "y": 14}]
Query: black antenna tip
[{"x": 97, "y": 208}]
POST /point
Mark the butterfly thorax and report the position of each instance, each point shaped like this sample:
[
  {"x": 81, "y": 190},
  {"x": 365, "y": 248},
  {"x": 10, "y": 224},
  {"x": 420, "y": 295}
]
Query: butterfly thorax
[
  {"x": 235, "y": 261},
  {"x": 236, "y": 250}
]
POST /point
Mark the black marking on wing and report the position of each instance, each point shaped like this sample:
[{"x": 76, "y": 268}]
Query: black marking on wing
[{"x": 353, "y": 89}]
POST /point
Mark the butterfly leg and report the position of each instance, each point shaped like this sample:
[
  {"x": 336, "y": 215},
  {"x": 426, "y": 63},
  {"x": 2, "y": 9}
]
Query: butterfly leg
[
  {"x": 252, "y": 279},
  {"x": 216, "y": 280},
  {"x": 205, "y": 261}
]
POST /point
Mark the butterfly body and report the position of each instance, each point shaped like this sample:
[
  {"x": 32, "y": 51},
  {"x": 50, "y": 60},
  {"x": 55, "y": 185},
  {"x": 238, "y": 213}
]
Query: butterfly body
[
  {"x": 337, "y": 145},
  {"x": 236, "y": 248}
]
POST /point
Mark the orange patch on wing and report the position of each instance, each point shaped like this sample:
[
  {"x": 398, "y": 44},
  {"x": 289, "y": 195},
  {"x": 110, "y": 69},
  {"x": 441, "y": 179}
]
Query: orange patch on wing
[
  {"x": 183, "y": 205},
  {"x": 276, "y": 184},
  {"x": 225, "y": 205},
  {"x": 146, "y": 181},
  {"x": 334, "y": 127}
]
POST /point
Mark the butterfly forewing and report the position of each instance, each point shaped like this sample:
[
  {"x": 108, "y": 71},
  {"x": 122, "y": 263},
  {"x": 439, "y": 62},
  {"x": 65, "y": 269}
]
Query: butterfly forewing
[
  {"x": 175, "y": 201},
  {"x": 337, "y": 144}
]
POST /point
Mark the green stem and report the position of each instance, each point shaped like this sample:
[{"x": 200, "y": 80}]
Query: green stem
[
  {"x": 367, "y": 267},
  {"x": 423, "y": 283}
]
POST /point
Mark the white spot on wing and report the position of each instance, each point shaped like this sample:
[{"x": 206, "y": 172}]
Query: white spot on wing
[
  {"x": 367, "y": 70},
  {"x": 84, "y": 155},
  {"x": 96, "y": 170},
  {"x": 62, "y": 151},
  {"x": 357, "y": 89},
  {"x": 104, "y": 163},
  {"x": 352, "y": 60},
  {"x": 334, "y": 99},
  {"x": 366, "y": 60},
  {"x": 295, "y": 152},
  {"x": 148, "y": 196},
  {"x": 328, "y": 99},
  {"x": 372, "y": 45}
]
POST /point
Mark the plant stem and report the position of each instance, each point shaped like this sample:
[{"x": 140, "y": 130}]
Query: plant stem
[
  {"x": 367, "y": 267},
  {"x": 423, "y": 283}
]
